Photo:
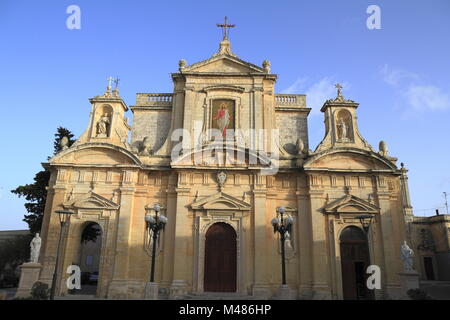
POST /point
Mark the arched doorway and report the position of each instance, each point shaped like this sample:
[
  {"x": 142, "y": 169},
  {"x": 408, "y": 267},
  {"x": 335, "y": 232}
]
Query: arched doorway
[
  {"x": 90, "y": 250},
  {"x": 355, "y": 259},
  {"x": 220, "y": 258}
]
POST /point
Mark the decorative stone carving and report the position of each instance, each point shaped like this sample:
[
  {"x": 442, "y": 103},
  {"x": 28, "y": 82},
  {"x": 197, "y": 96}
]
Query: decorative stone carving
[
  {"x": 407, "y": 256},
  {"x": 383, "y": 148},
  {"x": 182, "y": 64},
  {"x": 221, "y": 178},
  {"x": 142, "y": 147},
  {"x": 64, "y": 143},
  {"x": 426, "y": 240},
  {"x": 266, "y": 65},
  {"x": 300, "y": 146},
  {"x": 103, "y": 126},
  {"x": 344, "y": 129},
  {"x": 35, "y": 247}
]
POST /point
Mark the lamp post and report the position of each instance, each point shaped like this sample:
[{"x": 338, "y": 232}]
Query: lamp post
[
  {"x": 155, "y": 223},
  {"x": 64, "y": 218},
  {"x": 365, "y": 221},
  {"x": 282, "y": 225}
]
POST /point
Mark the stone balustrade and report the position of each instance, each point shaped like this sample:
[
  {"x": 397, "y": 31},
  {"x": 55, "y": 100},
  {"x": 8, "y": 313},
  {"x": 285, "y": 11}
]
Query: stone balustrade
[
  {"x": 291, "y": 100},
  {"x": 154, "y": 99}
]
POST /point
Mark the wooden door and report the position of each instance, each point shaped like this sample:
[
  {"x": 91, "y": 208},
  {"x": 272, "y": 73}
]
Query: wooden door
[
  {"x": 220, "y": 259},
  {"x": 354, "y": 262},
  {"x": 429, "y": 271}
]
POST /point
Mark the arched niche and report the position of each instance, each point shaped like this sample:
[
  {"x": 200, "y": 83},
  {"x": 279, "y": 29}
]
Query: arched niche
[{"x": 344, "y": 126}]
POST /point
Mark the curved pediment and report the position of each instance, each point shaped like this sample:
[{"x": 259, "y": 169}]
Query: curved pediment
[
  {"x": 358, "y": 160},
  {"x": 350, "y": 204},
  {"x": 95, "y": 154},
  {"x": 230, "y": 156},
  {"x": 220, "y": 201},
  {"x": 91, "y": 200}
]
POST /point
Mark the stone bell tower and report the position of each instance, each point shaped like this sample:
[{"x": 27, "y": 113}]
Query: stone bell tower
[
  {"x": 341, "y": 127},
  {"x": 107, "y": 123}
]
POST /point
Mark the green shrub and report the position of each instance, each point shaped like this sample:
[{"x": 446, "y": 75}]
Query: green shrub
[
  {"x": 40, "y": 291},
  {"x": 419, "y": 294}
]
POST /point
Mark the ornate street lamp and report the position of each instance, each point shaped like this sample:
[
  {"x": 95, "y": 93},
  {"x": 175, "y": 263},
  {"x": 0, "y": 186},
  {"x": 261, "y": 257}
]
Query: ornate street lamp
[
  {"x": 64, "y": 218},
  {"x": 365, "y": 221},
  {"x": 155, "y": 223},
  {"x": 282, "y": 225}
]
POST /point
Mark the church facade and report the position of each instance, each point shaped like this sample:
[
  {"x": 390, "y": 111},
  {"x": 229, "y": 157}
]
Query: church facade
[{"x": 220, "y": 154}]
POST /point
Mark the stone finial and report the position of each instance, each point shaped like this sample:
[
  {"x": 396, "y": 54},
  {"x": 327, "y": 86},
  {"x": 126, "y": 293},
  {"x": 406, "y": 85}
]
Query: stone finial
[
  {"x": 225, "y": 48},
  {"x": 266, "y": 66},
  {"x": 64, "y": 143},
  {"x": 300, "y": 146},
  {"x": 182, "y": 64},
  {"x": 383, "y": 148}
]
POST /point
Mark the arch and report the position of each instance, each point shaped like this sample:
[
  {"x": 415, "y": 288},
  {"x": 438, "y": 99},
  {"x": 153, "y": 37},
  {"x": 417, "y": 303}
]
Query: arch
[
  {"x": 89, "y": 256},
  {"x": 220, "y": 258},
  {"x": 355, "y": 258}
]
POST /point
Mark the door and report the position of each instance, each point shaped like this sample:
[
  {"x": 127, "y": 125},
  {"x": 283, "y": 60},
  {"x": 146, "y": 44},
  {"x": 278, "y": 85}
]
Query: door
[
  {"x": 354, "y": 261},
  {"x": 220, "y": 259},
  {"x": 429, "y": 271}
]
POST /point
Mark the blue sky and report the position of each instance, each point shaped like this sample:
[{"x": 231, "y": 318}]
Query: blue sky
[{"x": 399, "y": 74}]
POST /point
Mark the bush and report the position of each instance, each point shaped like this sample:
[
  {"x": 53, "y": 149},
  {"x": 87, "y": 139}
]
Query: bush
[
  {"x": 419, "y": 294},
  {"x": 40, "y": 291}
]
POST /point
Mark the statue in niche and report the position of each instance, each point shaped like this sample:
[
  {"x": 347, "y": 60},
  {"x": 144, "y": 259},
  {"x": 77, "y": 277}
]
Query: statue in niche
[
  {"x": 344, "y": 129},
  {"x": 103, "y": 126},
  {"x": 35, "y": 247}
]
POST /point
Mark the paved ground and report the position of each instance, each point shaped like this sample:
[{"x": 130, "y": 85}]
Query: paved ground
[{"x": 437, "y": 289}]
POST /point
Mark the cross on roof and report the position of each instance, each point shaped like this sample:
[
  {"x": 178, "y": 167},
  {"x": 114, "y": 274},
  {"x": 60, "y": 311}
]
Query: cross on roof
[
  {"x": 110, "y": 79},
  {"x": 225, "y": 26},
  {"x": 339, "y": 89}
]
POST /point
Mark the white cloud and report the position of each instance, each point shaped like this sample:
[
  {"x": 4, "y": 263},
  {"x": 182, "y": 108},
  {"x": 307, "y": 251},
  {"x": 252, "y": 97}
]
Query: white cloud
[
  {"x": 427, "y": 97},
  {"x": 393, "y": 77},
  {"x": 316, "y": 94},
  {"x": 410, "y": 85}
]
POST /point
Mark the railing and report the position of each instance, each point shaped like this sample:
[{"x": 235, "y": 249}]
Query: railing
[
  {"x": 154, "y": 99},
  {"x": 295, "y": 100}
]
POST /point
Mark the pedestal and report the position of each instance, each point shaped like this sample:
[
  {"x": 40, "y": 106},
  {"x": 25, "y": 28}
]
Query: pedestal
[
  {"x": 261, "y": 291},
  {"x": 151, "y": 291},
  {"x": 409, "y": 280},
  {"x": 29, "y": 274},
  {"x": 178, "y": 289},
  {"x": 284, "y": 293}
]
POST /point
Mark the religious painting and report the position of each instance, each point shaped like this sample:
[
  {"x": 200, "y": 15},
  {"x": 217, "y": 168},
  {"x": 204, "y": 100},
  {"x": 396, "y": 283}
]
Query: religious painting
[{"x": 223, "y": 115}]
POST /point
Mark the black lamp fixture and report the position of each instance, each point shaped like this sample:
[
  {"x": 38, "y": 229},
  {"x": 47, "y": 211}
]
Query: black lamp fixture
[
  {"x": 155, "y": 223},
  {"x": 366, "y": 221},
  {"x": 282, "y": 225},
  {"x": 64, "y": 218}
]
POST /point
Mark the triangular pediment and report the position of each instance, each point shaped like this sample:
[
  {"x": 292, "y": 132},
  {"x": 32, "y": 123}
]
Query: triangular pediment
[
  {"x": 91, "y": 200},
  {"x": 350, "y": 204},
  {"x": 220, "y": 201},
  {"x": 223, "y": 64}
]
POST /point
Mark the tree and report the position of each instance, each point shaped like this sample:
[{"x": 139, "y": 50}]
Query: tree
[
  {"x": 36, "y": 193},
  {"x": 14, "y": 252}
]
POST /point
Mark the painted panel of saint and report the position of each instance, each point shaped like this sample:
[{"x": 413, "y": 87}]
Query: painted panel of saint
[{"x": 223, "y": 113}]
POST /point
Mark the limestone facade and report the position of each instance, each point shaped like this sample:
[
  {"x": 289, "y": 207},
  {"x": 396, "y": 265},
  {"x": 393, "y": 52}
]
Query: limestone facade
[{"x": 107, "y": 179}]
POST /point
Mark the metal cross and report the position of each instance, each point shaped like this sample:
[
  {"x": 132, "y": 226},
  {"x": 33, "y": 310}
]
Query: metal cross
[
  {"x": 225, "y": 26},
  {"x": 116, "y": 82},
  {"x": 110, "y": 79}
]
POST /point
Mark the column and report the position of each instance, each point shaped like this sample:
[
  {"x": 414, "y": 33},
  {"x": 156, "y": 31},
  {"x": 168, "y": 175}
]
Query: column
[
  {"x": 261, "y": 285},
  {"x": 118, "y": 288},
  {"x": 304, "y": 244},
  {"x": 320, "y": 262},
  {"x": 183, "y": 234}
]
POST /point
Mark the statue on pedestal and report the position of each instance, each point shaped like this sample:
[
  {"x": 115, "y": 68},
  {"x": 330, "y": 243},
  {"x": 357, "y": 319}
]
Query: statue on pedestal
[
  {"x": 35, "y": 247},
  {"x": 102, "y": 126},
  {"x": 407, "y": 256}
]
